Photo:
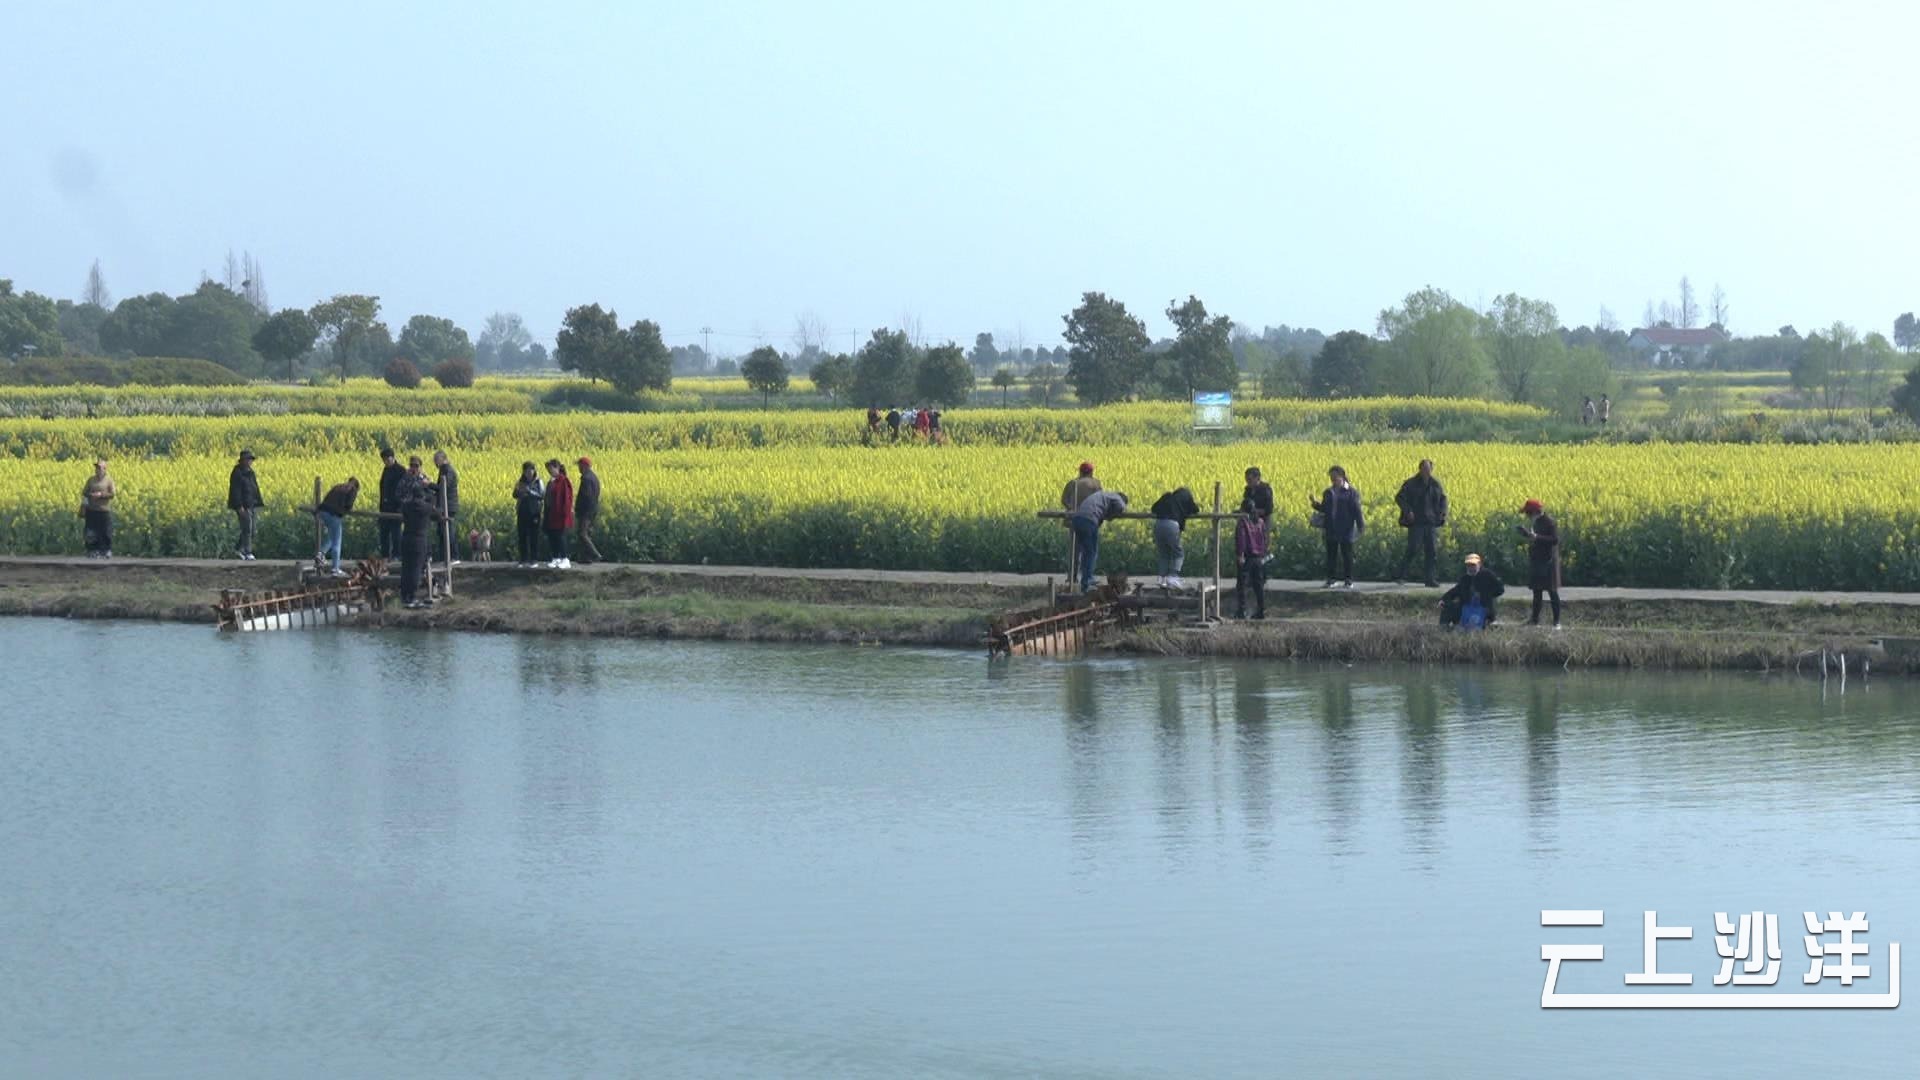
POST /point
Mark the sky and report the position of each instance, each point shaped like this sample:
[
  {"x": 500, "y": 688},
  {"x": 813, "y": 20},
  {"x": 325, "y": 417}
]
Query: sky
[{"x": 969, "y": 167}]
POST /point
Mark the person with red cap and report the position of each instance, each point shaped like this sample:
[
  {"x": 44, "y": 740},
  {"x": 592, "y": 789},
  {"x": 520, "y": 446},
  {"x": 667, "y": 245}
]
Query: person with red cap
[
  {"x": 1076, "y": 493},
  {"x": 586, "y": 510},
  {"x": 1543, "y": 557}
]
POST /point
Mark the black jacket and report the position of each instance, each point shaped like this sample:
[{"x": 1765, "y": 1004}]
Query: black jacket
[
  {"x": 339, "y": 500},
  {"x": 419, "y": 504},
  {"x": 1176, "y": 506},
  {"x": 1485, "y": 584},
  {"x": 528, "y": 497},
  {"x": 449, "y": 481},
  {"x": 243, "y": 489},
  {"x": 390, "y": 478},
  {"x": 1345, "y": 521},
  {"x": 586, "y": 497},
  {"x": 1257, "y": 499},
  {"x": 1425, "y": 499}
]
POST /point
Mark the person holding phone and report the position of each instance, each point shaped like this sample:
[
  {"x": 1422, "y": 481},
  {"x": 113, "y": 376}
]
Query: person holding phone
[
  {"x": 1338, "y": 514},
  {"x": 1543, "y": 558}
]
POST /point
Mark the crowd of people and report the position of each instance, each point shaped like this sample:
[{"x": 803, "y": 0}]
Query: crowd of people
[
  {"x": 1338, "y": 514},
  {"x": 919, "y": 423}
]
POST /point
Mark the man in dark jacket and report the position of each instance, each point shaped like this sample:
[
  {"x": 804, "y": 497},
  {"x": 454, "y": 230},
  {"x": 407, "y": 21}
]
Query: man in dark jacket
[
  {"x": 419, "y": 507},
  {"x": 243, "y": 498},
  {"x": 1543, "y": 558},
  {"x": 1342, "y": 520},
  {"x": 1170, "y": 514},
  {"x": 1423, "y": 509},
  {"x": 447, "y": 481},
  {"x": 1086, "y": 519},
  {"x": 391, "y": 473},
  {"x": 1476, "y": 582},
  {"x": 586, "y": 508}
]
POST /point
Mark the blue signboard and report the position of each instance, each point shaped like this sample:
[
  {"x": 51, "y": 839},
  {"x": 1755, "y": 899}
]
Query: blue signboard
[{"x": 1212, "y": 412}]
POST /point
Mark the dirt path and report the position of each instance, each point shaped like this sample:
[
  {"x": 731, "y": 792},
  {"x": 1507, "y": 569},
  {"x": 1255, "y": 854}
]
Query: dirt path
[{"x": 1037, "y": 582}]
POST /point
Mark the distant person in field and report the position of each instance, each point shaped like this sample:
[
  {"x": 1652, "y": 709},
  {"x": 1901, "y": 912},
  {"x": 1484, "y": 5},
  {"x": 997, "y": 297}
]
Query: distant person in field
[
  {"x": 1587, "y": 410},
  {"x": 935, "y": 434},
  {"x": 923, "y": 423},
  {"x": 447, "y": 481},
  {"x": 1250, "y": 557},
  {"x": 1543, "y": 558},
  {"x": 1170, "y": 514},
  {"x": 332, "y": 513},
  {"x": 391, "y": 473},
  {"x": 1423, "y": 510},
  {"x": 1094, "y": 511},
  {"x": 1477, "y": 586},
  {"x": 96, "y": 511},
  {"x": 419, "y": 506},
  {"x": 1606, "y": 408},
  {"x": 243, "y": 498},
  {"x": 559, "y": 513},
  {"x": 893, "y": 423},
  {"x": 586, "y": 510},
  {"x": 1256, "y": 501},
  {"x": 1341, "y": 522},
  {"x": 529, "y": 498}
]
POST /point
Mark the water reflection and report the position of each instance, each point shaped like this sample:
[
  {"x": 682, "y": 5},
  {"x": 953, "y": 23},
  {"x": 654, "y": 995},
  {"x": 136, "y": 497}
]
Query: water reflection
[
  {"x": 1085, "y": 816},
  {"x": 1253, "y": 746},
  {"x": 1340, "y": 771},
  {"x": 1422, "y": 765},
  {"x": 1543, "y": 762},
  {"x": 1174, "y": 806}
]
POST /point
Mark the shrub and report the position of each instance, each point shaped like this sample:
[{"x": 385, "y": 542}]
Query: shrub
[
  {"x": 454, "y": 373},
  {"x": 179, "y": 371},
  {"x": 401, "y": 373}
]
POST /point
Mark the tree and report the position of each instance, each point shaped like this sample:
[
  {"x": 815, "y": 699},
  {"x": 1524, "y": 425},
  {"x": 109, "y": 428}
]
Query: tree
[
  {"x": 1524, "y": 339},
  {"x": 943, "y": 377},
  {"x": 1828, "y": 366},
  {"x": 1434, "y": 347},
  {"x": 1718, "y": 309},
  {"x": 284, "y": 338},
  {"x": 1285, "y": 375},
  {"x": 1107, "y": 350},
  {"x": 454, "y": 373},
  {"x": 138, "y": 326},
  {"x": 641, "y": 360},
  {"x": 29, "y": 324},
  {"x": 883, "y": 371},
  {"x": 96, "y": 290},
  {"x": 505, "y": 344},
  {"x": 214, "y": 323},
  {"x": 809, "y": 337},
  {"x": 1876, "y": 364},
  {"x": 1004, "y": 378},
  {"x": 588, "y": 341},
  {"x": 1689, "y": 310},
  {"x": 428, "y": 340},
  {"x": 1043, "y": 381},
  {"x": 766, "y": 371},
  {"x": 832, "y": 375},
  {"x": 985, "y": 356},
  {"x": 80, "y": 327},
  {"x": 401, "y": 373},
  {"x": 1906, "y": 333},
  {"x": 1573, "y": 376},
  {"x": 253, "y": 284},
  {"x": 1343, "y": 367},
  {"x": 1906, "y": 396},
  {"x": 1202, "y": 354},
  {"x": 347, "y": 323}
]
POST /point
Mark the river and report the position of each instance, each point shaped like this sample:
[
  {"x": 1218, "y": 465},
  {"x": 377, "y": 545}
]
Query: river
[{"x": 344, "y": 853}]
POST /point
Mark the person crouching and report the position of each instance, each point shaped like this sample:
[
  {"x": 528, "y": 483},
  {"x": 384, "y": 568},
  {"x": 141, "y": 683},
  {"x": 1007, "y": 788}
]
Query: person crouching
[{"x": 1470, "y": 603}]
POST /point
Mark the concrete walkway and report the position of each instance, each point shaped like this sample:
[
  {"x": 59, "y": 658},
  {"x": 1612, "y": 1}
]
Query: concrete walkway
[{"x": 1036, "y": 582}]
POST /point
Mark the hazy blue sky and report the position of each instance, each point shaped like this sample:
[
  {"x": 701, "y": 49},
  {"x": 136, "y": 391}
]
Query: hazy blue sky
[{"x": 974, "y": 165}]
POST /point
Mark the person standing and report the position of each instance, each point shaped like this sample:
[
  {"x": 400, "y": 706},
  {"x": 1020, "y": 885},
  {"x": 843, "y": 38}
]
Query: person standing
[
  {"x": 419, "y": 506},
  {"x": 893, "y": 424},
  {"x": 559, "y": 513},
  {"x": 446, "y": 485},
  {"x": 1342, "y": 521},
  {"x": 243, "y": 498},
  {"x": 96, "y": 511},
  {"x": 1476, "y": 583},
  {"x": 1170, "y": 514},
  {"x": 528, "y": 496},
  {"x": 923, "y": 423},
  {"x": 391, "y": 473},
  {"x": 1423, "y": 510},
  {"x": 1256, "y": 501},
  {"x": 1606, "y": 408},
  {"x": 1587, "y": 411},
  {"x": 1250, "y": 557},
  {"x": 1543, "y": 558},
  {"x": 1093, "y": 511},
  {"x": 586, "y": 509},
  {"x": 1082, "y": 485},
  {"x": 332, "y": 513},
  {"x": 935, "y": 433}
]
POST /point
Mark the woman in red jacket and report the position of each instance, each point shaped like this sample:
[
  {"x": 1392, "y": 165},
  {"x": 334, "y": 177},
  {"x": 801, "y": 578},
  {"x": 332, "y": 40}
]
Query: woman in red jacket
[{"x": 559, "y": 513}]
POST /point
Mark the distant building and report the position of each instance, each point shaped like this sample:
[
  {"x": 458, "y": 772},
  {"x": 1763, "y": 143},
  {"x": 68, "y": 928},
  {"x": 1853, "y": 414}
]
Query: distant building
[{"x": 1667, "y": 346}]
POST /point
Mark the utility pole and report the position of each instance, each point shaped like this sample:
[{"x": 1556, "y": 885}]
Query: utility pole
[{"x": 706, "y": 347}]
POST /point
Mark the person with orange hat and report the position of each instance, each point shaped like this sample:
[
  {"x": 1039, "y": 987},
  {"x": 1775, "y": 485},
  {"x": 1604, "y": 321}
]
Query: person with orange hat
[
  {"x": 1543, "y": 558},
  {"x": 1478, "y": 586},
  {"x": 1076, "y": 492},
  {"x": 586, "y": 510}
]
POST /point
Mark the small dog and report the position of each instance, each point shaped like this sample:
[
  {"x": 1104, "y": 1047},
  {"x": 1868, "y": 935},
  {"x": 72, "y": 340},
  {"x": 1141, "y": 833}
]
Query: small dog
[{"x": 480, "y": 545}]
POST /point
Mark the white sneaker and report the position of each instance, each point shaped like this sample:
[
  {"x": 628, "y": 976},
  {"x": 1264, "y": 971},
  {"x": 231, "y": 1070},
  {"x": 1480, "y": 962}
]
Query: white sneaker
[
  {"x": 566, "y": 564},
  {"x": 1175, "y": 582}
]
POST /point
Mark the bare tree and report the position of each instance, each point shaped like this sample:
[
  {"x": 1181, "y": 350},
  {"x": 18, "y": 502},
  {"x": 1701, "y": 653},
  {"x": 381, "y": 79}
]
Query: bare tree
[
  {"x": 232, "y": 276},
  {"x": 1689, "y": 309},
  {"x": 809, "y": 334},
  {"x": 1605, "y": 321},
  {"x": 1718, "y": 307},
  {"x": 253, "y": 284},
  {"x": 1648, "y": 317},
  {"x": 96, "y": 292},
  {"x": 1668, "y": 317},
  {"x": 910, "y": 325}
]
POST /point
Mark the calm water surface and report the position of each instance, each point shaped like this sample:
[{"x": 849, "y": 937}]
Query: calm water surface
[{"x": 413, "y": 855}]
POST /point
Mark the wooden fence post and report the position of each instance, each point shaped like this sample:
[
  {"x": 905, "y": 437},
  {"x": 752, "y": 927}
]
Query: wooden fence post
[
  {"x": 319, "y": 532},
  {"x": 1216, "y": 539}
]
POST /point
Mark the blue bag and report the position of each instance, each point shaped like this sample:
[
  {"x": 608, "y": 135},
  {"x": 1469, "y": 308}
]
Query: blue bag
[{"x": 1474, "y": 615}]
